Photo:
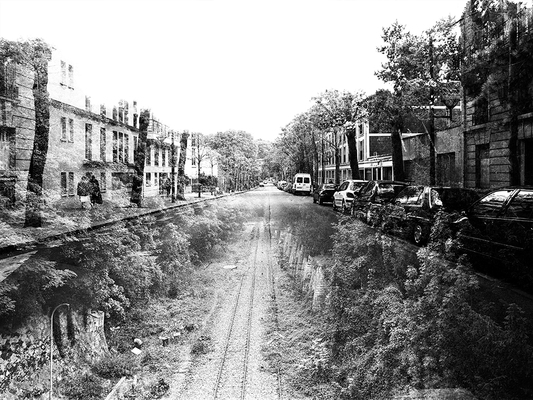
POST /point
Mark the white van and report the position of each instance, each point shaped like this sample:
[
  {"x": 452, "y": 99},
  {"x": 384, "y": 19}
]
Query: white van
[{"x": 302, "y": 184}]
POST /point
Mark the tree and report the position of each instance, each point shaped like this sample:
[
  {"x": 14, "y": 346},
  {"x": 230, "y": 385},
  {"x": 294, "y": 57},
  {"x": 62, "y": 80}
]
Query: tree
[
  {"x": 200, "y": 151},
  {"x": 386, "y": 115},
  {"x": 344, "y": 111},
  {"x": 422, "y": 70},
  {"x": 34, "y": 55},
  {"x": 237, "y": 152},
  {"x": 181, "y": 165}
]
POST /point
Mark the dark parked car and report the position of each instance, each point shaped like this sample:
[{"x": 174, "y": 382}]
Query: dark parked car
[
  {"x": 497, "y": 233},
  {"x": 415, "y": 208},
  {"x": 324, "y": 193},
  {"x": 502, "y": 219},
  {"x": 374, "y": 193}
]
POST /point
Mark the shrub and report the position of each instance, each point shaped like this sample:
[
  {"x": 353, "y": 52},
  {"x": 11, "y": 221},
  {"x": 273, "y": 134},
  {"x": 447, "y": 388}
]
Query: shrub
[
  {"x": 116, "y": 366},
  {"x": 420, "y": 328},
  {"x": 83, "y": 386}
]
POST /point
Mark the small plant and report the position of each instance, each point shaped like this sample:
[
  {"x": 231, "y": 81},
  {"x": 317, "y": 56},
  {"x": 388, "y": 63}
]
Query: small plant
[
  {"x": 201, "y": 345},
  {"x": 115, "y": 366},
  {"x": 84, "y": 386}
]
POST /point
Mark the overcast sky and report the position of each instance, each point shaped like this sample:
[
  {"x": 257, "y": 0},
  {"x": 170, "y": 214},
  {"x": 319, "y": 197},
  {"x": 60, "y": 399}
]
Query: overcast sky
[{"x": 213, "y": 65}]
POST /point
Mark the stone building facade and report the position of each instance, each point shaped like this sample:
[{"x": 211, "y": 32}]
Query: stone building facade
[
  {"x": 84, "y": 138},
  {"x": 498, "y": 133}
]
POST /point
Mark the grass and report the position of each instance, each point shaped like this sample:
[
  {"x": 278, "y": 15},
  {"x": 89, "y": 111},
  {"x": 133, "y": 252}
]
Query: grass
[{"x": 295, "y": 345}]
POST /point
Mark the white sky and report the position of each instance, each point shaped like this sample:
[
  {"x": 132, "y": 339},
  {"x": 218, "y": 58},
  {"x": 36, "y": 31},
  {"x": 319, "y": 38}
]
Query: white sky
[{"x": 213, "y": 65}]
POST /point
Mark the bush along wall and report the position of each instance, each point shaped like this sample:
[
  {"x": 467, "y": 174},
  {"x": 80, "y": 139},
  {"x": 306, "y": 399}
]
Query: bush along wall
[
  {"x": 405, "y": 325},
  {"x": 102, "y": 275},
  {"x": 402, "y": 322}
]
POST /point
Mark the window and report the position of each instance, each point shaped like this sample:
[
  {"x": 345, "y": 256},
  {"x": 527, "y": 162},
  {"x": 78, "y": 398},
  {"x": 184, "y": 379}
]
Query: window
[
  {"x": 71, "y": 184},
  {"x": 64, "y": 184},
  {"x": 63, "y": 73},
  {"x": 193, "y": 156},
  {"x": 71, "y": 77},
  {"x": 103, "y": 182},
  {"x": 115, "y": 146},
  {"x": 483, "y": 166},
  {"x": 126, "y": 148},
  {"x": 445, "y": 169},
  {"x": 71, "y": 130},
  {"x": 526, "y": 161},
  {"x": 88, "y": 141},
  {"x": 491, "y": 204},
  {"x": 164, "y": 158},
  {"x": 481, "y": 112},
  {"x": 63, "y": 129},
  {"x": 156, "y": 157},
  {"x": 8, "y": 75},
  {"x": 135, "y": 144},
  {"x": 67, "y": 184},
  {"x": 148, "y": 179},
  {"x": 7, "y": 146},
  {"x": 149, "y": 156},
  {"x": 307, "y": 180},
  {"x": 102, "y": 144},
  {"x": 121, "y": 147}
]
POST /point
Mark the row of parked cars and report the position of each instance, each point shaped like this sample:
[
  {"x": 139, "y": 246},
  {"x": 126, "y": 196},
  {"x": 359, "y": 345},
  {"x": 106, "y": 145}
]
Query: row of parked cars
[{"x": 499, "y": 223}]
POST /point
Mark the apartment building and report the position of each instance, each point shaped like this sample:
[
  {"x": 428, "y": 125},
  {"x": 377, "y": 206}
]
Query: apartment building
[
  {"x": 498, "y": 119},
  {"x": 373, "y": 154},
  {"x": 85, "y": 137}
]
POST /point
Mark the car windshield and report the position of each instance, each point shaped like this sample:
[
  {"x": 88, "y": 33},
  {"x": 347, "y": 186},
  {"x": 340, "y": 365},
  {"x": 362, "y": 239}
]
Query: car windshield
[
  {"x": 328, "y": 186},
  {"x": 410, "y": 195},
  {"x": 356, "y": 185},
  {"x": 492, "y": 203}
]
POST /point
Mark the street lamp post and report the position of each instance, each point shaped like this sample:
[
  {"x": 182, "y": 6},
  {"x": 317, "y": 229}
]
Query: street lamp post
[{"x": 52, "y": 344}]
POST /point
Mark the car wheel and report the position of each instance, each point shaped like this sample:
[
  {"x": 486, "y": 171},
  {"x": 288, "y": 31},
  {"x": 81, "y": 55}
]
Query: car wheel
[
  {"x": 334, "y": 205},
  {"x": 320, "y": 201},
  {"x": 419, "y": 236}
]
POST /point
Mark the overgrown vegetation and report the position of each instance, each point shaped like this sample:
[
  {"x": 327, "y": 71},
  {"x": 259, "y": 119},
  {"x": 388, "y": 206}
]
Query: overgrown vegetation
[
  {"x": 400, "y": 325},
  {"x": 120, "y": 270}
]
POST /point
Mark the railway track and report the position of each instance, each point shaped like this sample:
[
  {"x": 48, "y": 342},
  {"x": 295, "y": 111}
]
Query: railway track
[
  {"x": 244, "y": 298},
  {"x": 273, "y": 296}
]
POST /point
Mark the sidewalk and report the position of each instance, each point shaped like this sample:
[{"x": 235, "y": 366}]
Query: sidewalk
[{"x": 56, "y": 222}]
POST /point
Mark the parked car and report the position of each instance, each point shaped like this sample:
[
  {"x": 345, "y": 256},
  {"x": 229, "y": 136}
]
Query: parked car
[
  {"x": 324, "y": 193},
  {"x": 502, "y": 219},
  {"x": 281, "y": 185},
  {"x": 345, "y": 194},
  {"x": 302, "y": 184},
  {"x": 497, "y": 233},
  {"x": 415, "y": 208},
  {"x": 375, "y": 193},
  {"x": 287, "y": 187}
]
